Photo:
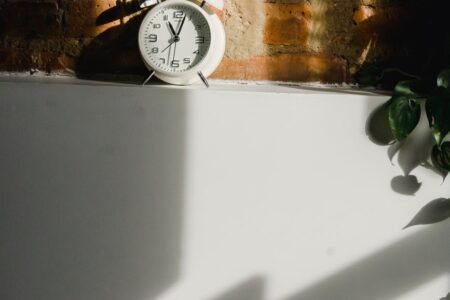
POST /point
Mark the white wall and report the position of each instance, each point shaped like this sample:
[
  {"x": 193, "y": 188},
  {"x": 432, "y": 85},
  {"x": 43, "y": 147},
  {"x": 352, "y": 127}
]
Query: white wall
[{"x": 124, "y": 192}]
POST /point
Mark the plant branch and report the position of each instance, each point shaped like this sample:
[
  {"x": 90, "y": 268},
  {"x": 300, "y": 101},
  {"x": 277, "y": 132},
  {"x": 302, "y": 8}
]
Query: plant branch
[{"x": 398, "y": 71}]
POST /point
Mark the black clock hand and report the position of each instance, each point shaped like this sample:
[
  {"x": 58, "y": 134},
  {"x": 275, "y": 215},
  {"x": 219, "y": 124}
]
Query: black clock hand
[
  {"x": 172, "y": 30},
  {"x": 181, "y": 25}
]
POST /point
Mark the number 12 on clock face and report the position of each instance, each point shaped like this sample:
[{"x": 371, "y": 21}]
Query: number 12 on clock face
[
  {"x": 181, "y": 41},
  {"x": 177, "y": 38}
]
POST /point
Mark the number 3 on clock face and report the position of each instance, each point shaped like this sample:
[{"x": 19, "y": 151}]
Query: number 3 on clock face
[{"x": 175, "y": 38}]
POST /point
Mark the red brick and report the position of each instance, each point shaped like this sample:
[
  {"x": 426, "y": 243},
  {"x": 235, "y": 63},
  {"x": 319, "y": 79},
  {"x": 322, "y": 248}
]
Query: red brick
[
  {"x": 363, "y": 13},
  {"x": 285, "y": 67},
  {"x": 287, "y": 24},
  {"x": 81, "y": 17}
]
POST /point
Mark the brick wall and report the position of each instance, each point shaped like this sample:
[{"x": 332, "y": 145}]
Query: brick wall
[{"x": 286, "y": 40}]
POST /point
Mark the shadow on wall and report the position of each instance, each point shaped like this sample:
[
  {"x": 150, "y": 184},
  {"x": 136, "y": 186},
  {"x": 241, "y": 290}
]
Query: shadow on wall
[
  {"x": 386, "y": 274},
  {"x": 411, "y": 36},
  {"x": 315, "y": 40},
  {"x": 411, "y": 153},
  {"x": 391, "y": 272},
  {"x": 91, "y": 197},
  {"x": 91, "y": 189},
  {"x": 115, "y": 51},
  {"x": 252, "y": 289}
]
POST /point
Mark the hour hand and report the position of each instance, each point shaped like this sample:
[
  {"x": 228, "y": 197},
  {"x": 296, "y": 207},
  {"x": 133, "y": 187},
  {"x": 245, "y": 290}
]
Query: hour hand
[{"x": 171, "y": 29}]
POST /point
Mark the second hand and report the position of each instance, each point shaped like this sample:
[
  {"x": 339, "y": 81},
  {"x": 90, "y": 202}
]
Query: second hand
[
  {"x": 174, "y": 50},
  {"x": 168, "y": 55}
]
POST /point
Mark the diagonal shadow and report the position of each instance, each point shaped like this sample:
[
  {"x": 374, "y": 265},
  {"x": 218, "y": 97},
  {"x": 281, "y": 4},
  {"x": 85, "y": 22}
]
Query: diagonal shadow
[
  {"x": 251, "y": 289},
  {"x": 386, "y": 274},
  {"x": 390, "y": 272}
]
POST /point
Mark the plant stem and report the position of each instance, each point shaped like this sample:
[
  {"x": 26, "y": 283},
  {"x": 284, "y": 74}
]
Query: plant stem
[{"x": 400, "y": 72}]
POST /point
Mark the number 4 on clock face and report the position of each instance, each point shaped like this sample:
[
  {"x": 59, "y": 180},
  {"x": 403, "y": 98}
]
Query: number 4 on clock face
[
  {"x": 180, "y": 42},
  {"x": 175, "y": 40}
]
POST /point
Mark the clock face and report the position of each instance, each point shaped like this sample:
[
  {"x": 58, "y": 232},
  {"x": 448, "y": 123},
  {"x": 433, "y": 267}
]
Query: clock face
[{"x": 175, "y": 38}]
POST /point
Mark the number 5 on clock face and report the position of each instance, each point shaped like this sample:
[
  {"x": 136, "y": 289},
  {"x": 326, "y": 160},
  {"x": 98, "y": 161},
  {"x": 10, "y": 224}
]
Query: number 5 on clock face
[
  {"x": 182, "y": 42},
  {"x": 175, "y": 38}
]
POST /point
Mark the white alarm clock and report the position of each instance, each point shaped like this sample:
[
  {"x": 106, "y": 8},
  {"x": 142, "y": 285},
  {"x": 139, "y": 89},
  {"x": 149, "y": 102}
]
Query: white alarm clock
[{"x": 181, "y": 41}]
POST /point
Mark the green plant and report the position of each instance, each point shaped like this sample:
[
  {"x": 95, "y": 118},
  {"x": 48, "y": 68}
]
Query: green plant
[{"x": 403, "y": 114}]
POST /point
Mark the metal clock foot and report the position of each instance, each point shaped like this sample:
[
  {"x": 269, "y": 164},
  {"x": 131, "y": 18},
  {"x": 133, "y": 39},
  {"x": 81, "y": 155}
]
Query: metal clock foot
[
  {"x": 203, "y": 78},
  {"x": 148, "y": 78},
  {"x": 147, "y": 3}
]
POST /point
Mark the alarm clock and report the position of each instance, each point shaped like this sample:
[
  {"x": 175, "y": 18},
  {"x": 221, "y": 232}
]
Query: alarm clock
[{"x": 181, "y": 42}]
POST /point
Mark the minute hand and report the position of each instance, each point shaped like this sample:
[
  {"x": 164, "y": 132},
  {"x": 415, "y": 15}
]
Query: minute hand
[{"x": 181, "y": 25}]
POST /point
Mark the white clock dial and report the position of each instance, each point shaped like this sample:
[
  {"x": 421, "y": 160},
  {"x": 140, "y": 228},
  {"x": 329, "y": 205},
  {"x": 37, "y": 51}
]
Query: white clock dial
[{"x": 175, "y": 38}]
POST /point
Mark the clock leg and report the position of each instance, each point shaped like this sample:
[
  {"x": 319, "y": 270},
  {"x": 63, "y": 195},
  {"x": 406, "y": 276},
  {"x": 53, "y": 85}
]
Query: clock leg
[
  {"x": 147, "y": 3},
  {"x": 148, "y": 78},
  {"x": 203, "y": 78}
]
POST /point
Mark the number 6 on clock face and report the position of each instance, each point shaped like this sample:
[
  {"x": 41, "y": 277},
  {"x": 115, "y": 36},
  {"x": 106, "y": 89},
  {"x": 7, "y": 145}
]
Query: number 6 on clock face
[{"x": 178, "y": 39}]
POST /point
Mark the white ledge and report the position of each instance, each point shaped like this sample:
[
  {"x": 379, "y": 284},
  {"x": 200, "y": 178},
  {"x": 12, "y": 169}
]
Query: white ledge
[{"x": 216, "y": 85}]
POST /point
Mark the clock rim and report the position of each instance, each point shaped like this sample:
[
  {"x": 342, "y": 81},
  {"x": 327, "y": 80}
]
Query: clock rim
[{"x": 190, "y": 72}]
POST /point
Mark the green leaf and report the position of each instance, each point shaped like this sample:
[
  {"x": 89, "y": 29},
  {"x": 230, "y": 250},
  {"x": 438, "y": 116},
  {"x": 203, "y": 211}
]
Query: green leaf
[
  {"x": 412, "y": 88},
  {"x": 443, "y": 79},
  {"x": 436, "y": 211},
  {"x": 440, "y": 156},
  {"x": 438, "y": 112},
  {"x": 404, "y": 115}
]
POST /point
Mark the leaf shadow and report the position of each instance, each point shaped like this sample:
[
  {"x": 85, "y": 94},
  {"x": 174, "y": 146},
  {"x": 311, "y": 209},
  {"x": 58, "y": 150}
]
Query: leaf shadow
[
  {"x": 118, "y": 12},
  {"x": 115, "y": 51},
  {"x": 377, "y": 126},
  {"x": 435, "y": 211},
  {"x": 406, "y": 185},
  {"x": 411, "y": 153}
]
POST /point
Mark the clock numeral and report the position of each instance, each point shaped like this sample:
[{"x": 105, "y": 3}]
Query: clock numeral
[
  {"x": 200, "y": 40},
  {"x": 198, "y": 27},
  {"x": 156, "y": 26},
  {"x": 187, "y": 60},
  {"x": 155, "y": 50},
  {"x": 178, "y": 14},
  {"x": 196, "y": 52},
  {"x": 165, "y": 17},
  {"x": 175, "y": 63},
  {"x": 163, "y": 60},
  {"x": 152, "y": 38}
]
